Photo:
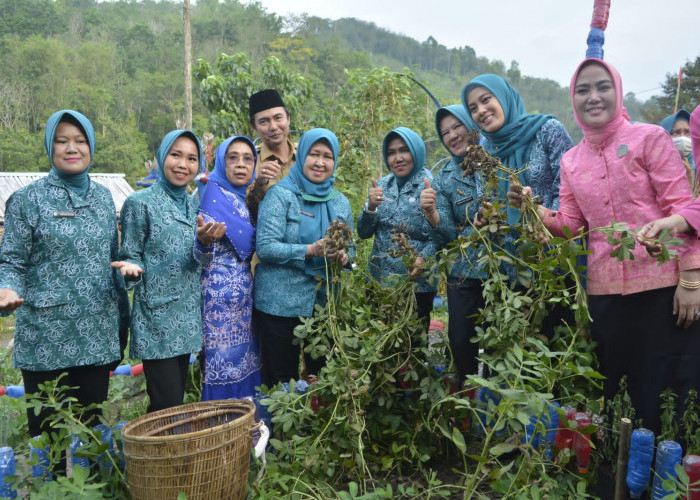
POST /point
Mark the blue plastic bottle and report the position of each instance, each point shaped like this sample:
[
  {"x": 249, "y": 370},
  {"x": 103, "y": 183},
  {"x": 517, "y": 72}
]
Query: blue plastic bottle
[
  {"x": 595, "y": 41},
  {"x": 639, "y": 467},
  {"x": 551, "y": 423},
  {"x": 41, "y": 457},
  {"x": 105, "y": 434},
  {"x": 75, "y": 444},
  {"x": 15, "y": 391},
  {"x": 120, "y": 443},
  {"x": 668, "y": 454},
  {"x": 123, "y": 370},
  {"x": 7, "y": 468},
  {"x": 531, "y": 435},
  {"x": 485, "y": 395}
]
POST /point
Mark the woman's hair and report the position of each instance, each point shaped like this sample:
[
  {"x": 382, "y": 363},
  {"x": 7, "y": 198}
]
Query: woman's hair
[
  {"x": 190, "y": 135},
  {"x": 68, "y": 118},
  {"x": 324, "y": 141},
  {"x": 241, "y": 140},
  {"x": 591, "y": 62}
]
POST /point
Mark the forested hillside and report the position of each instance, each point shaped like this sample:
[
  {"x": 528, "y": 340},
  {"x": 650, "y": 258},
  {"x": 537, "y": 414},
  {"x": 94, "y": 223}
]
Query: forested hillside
[{"x": 121, "y": 63}]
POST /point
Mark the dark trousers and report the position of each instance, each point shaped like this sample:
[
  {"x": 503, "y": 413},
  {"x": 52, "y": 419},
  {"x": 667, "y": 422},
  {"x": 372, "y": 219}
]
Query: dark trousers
[
  {"x": 280, "y": 356},
  {"x": 464, "y": 299},
  {"x": 165, "y": 381},
  {"x": 637, "y": 336},
  {"x": 90, "y": 385},
  {"x": 424, "y": 305}
]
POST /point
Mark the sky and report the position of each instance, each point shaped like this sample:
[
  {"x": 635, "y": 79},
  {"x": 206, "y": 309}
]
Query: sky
[{"x": 644, "y": 40}]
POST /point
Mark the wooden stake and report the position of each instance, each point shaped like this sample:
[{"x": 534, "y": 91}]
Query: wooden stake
[
  {"x": 188, "y": 62},
  {"x": 623, "y": 456}
]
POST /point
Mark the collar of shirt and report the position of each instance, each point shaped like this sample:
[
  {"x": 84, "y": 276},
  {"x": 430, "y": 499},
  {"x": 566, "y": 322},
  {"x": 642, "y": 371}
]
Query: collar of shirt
[{"x": 264, "y": 154}]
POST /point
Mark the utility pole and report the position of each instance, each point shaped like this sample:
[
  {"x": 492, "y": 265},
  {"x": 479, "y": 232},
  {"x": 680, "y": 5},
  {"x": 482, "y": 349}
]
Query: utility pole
[{"x": 188, "y": 62}]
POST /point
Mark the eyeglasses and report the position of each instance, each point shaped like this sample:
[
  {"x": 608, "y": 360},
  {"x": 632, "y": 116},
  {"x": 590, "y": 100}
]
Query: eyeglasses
[{"x": 235, "y": 159}]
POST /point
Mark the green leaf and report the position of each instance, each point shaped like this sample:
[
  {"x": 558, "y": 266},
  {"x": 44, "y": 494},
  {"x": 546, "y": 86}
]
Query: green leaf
[
  {"x": 458, "y": 439},
  {"x": 501, "y": 448}
]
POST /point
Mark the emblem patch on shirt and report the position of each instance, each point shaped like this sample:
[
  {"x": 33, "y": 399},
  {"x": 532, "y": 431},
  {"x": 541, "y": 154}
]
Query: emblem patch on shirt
[{"x": 622, "y": 151}]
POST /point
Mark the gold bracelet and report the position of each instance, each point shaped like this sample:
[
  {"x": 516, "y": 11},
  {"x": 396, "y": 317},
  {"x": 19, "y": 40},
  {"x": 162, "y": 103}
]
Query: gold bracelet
[{"x": 689, "y": 285}]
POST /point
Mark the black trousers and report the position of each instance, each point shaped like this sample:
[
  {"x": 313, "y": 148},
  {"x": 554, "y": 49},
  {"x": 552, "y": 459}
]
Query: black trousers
[
  {"x": 637, "y": 336},
  {"x": 90, "y": 383},
  {"x": 280, "y": 356},
  {"x": 424, "y": 305},
  {"x": 464, "y": 299},
  {"x": 165, "y": 381}
]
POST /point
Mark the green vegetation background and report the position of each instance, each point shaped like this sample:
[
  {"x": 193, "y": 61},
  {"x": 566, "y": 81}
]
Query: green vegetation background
[{"x": 121, "y": 63}]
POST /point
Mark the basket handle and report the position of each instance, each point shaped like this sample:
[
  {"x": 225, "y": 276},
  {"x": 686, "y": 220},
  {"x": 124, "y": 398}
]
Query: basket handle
[{"x": 207, "y": 414}]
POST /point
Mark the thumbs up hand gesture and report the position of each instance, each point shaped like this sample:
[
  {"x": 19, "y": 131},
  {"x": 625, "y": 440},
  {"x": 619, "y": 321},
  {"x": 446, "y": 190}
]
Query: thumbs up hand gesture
[
  {"x": 427, "y": 198},
  {"x": 427, "y": 203},
  {"x": 376, "y": 195}
]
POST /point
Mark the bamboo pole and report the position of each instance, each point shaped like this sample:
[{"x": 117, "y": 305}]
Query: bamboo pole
[
  {"x": 623, "y": 456},
  {"x": 188, "y": 62},
  {"x": 678, "y": 90}
]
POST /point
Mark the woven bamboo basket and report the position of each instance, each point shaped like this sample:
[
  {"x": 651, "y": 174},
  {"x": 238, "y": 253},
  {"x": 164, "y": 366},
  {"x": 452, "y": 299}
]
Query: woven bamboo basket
[{"x": 201, "y": 449}]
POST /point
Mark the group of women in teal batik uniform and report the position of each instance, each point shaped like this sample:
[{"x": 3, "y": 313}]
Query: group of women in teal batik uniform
[{"x": 189, "y": 264}]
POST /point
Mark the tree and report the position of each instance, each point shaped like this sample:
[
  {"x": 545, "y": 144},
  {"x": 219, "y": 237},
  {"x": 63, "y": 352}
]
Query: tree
[
  {"x": 688, "y": 98},
  {"x": 226, "y": 94},
  {"x": 373, "y": 102}
]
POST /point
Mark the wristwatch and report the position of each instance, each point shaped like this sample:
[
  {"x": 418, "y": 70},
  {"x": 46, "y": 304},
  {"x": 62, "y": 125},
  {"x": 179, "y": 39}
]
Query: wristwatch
[{"x": 366, "y": 209}]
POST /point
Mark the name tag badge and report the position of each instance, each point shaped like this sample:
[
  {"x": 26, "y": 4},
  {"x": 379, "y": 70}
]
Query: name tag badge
[
  {"x": 308, "y": 214},
  {"x": 64, "y": 214},
  {"x": 463, "y": 201}
]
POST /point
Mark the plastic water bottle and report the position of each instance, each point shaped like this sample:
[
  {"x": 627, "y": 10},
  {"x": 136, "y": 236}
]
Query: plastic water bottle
[
  {"x": 7, "y": 468},
  {"x": 639, "y": 466},
  {"x": 691, "y": 465},
  {"x": 123, "y": 370},
  {"x": 105, "y": 433},
  {"x": 595, "y": 41},
  {"x": 120, "y": 443},
  {"x": 564, "y": 439},
  {"x": 75, "y": 444},
  {"x": 484, "y": 395},
  {"x": 531, "y": 435},
  {"x": 668, "y": 454},
  {"x": 41, "y": 457},
  {"x": 582, "y": 442},
  {"x": 551, "y": 423},
  {"x": 15, "y": 391}
]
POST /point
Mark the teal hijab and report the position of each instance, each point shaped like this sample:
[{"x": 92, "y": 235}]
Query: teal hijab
[
  {"x": 177, "y": 193},
  {"x": 461, "y": 114},
  {"x": 415, "y": 145},
  {"x": 317, "y": 210},
  {"x": 512, "y": 142},
  {"x": 78, "y": 183}
]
